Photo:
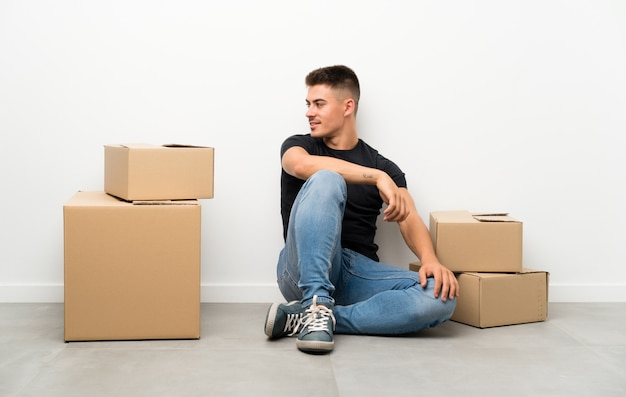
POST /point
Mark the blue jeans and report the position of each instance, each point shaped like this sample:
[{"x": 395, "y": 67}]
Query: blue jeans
[{"x": 369, "y": 297}]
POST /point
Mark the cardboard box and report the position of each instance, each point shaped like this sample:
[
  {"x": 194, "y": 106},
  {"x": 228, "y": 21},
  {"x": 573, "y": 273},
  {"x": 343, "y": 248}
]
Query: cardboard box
[
  {"x": 132, "y": 271},
  {"x": 415, "y": 266},
  {"x": 466, "y": 242},
  {"x": 150, "y": 172},
  {"x": 495, "y": 299}
]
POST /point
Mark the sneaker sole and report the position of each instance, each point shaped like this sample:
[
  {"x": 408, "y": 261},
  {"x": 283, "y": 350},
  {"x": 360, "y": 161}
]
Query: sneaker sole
[
  {"x": 270, "y": 319},
  {"x": 315, "y": 346}
]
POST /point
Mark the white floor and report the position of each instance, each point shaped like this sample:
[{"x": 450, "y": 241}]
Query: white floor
[{"x": 579, "y": 351}]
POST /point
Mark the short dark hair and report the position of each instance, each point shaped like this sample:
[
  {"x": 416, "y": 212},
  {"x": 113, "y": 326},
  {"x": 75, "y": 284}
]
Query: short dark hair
[{"x": 336, "y": 77}]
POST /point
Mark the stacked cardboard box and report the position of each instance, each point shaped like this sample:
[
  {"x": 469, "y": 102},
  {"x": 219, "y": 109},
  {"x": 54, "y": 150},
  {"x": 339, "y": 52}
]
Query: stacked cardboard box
[
  {"x": 485, "y": 251},
  {"x": 150, "y": 172},
  {"x": 132, "y": 252}
]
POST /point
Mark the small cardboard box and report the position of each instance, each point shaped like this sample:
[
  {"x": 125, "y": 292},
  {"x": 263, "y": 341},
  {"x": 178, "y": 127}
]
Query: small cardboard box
[
  {"x": 495, "y": 299},
  {"x": 132, "y": 270},
  {"x": 415, "y": 266},
  {"x": 466, "y": 242},
  {"x": 151, "y": 172}
]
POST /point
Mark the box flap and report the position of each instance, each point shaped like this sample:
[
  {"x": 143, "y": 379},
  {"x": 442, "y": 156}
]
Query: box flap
[
  {"x": 132, "y": 145},
  {"x": 494, "y": 217},
  {"x": 528, "y": 270},
  {"x": 179, "y": 145},
  {"x": 165, "y": 202},
  {"x": 457, "y": 216},
  {"x": 151, "y": 146},
  {"x": 485, "y": 275},
  {"x": 464, "y": 216}
]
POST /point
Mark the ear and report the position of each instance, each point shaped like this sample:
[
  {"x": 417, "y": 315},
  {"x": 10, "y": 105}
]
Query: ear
[{"x": 349, "y": 106}]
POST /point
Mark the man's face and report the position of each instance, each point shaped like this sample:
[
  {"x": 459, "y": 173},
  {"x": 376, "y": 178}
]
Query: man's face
[{"x": 325, "y": 111}]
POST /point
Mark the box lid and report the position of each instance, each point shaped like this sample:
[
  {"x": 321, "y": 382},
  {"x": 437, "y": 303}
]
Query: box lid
[
  {"x": 493, "y": 217},
  {"x": 524, "y": 270},
  {"x": 464, "y": 216},
  {"x": 100, "y": 198},
  {"x": 152, "y": 146}
]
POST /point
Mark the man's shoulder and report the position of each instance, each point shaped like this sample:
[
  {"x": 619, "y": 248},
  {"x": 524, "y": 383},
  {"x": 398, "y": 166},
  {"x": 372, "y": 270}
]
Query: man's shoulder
[
  {"x": 303, "y": 140},
  {"x": 366, "y": 147},
  {"x": 299, "y": 138}
]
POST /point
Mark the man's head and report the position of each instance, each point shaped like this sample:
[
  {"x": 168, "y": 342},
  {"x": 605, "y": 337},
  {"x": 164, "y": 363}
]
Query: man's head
[
  {"x": 332, "y": 101},
  {"x": 340, "y": 78}
]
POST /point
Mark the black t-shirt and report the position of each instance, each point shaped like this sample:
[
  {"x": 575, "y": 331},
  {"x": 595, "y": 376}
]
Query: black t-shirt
[{"x": 364, "y": 202}]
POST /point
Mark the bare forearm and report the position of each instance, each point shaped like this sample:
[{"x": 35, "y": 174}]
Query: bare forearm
[
  {"x": 297, "y": 162},
  {"x": 352, "y": 173},
  {"x": 417, "y": 238}
]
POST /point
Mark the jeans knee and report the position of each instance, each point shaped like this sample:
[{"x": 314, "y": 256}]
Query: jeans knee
[
  {"x": 448, "y": 309},
  {"x": 444, "y": 310},
  {"x": 431, "y": 311},
  {"x": 325, "y": 182}
]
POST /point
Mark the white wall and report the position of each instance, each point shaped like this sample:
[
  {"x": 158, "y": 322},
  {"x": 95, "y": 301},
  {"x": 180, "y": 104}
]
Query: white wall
[{"x": 487, "y": 105}]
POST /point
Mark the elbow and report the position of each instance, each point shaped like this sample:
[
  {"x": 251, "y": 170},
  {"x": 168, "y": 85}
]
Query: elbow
[{"x": 303, "y": 170}]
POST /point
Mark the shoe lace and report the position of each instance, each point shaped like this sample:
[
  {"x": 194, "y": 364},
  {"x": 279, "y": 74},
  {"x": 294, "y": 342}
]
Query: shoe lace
[
  {"x": 316, "y": 318},
  {"x": 293, "y": 323}
]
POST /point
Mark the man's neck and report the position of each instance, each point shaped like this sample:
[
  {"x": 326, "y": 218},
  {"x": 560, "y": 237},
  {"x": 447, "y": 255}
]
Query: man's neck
[{"x": 344, "y": 141}]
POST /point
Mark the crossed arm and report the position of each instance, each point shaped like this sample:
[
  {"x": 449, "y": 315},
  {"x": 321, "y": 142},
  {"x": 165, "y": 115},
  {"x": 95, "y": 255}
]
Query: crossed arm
[{"x": 400, "y": 208}]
